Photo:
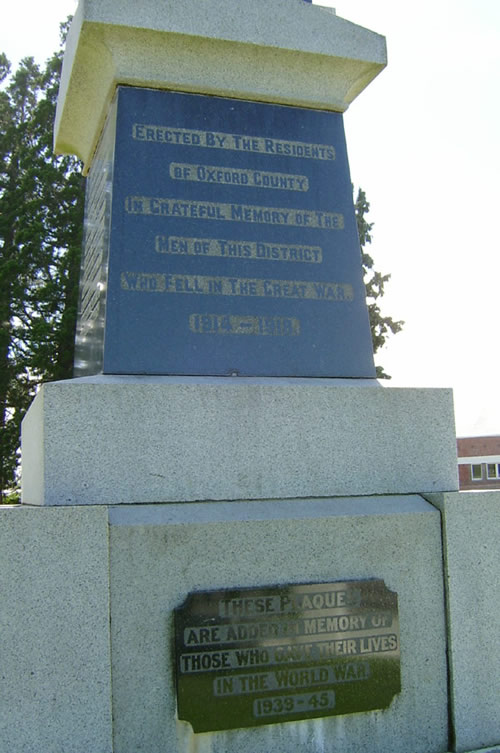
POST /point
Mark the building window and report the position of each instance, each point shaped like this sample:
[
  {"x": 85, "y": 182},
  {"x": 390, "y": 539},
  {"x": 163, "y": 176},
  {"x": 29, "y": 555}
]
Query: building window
[
  {"x": 493, "y": 470},
  {"x": 476, "y": 472}
]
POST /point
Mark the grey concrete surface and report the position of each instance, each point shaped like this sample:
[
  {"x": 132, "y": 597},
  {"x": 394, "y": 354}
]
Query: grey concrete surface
[
  {"x": 159, "y": 554},
  {"x": 146, "y": 440},
  {"x": 471, "y": 537},
  {"x": 55, "y": 681}
]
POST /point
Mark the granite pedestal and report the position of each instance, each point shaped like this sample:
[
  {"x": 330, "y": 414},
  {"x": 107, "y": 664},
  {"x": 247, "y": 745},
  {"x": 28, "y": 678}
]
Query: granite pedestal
[
  {"x": 88, "y": 595},
  {"x": 128, "y": 567},
  {"x": 114, "y": 440}
]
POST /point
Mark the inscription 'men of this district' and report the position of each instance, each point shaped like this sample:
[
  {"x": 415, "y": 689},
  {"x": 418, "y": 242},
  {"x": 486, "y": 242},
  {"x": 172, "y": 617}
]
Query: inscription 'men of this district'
[
  {"x": 285, "y": 653},
  {"x": 240, "y": 215}
]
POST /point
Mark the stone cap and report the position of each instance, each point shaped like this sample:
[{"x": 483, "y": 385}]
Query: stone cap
[{"x": 292, "y": 53}]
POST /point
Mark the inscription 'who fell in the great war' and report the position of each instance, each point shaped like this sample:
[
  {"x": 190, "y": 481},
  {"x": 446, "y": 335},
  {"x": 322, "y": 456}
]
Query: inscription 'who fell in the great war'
[
  {"x": 239, "y": 216},
  {"x": 284, "y": 653}
]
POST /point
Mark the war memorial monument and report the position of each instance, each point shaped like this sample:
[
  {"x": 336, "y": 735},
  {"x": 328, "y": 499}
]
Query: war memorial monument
[{"x": 232, "y": 538}]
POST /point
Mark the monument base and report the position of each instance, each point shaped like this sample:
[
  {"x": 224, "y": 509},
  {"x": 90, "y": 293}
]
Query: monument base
[
  {"x": 471, "y": 530},
  {"x": 157, "y": 554},
  {"x": 88, "y": 595},
  {"x": 256, "y": 483}
]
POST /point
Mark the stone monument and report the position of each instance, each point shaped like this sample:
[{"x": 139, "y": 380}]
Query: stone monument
[{"x": 232, "y": 538}]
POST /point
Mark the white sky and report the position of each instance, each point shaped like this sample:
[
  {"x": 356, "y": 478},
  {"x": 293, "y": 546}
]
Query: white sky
[{"x": 424, "y": 143}]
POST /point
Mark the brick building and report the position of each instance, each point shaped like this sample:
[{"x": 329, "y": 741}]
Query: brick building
[{"x": 478, "y": 463}]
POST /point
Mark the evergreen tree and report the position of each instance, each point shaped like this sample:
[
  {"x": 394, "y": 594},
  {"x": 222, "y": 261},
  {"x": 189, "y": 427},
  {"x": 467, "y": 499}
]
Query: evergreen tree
[
  {"x": 41, "y": 220},
  {"x": 381, "y": 326}
]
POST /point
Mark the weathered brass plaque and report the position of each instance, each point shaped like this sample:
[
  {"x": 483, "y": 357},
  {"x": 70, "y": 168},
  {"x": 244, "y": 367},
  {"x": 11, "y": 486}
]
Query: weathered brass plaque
[{"x": 257, "y": 656}]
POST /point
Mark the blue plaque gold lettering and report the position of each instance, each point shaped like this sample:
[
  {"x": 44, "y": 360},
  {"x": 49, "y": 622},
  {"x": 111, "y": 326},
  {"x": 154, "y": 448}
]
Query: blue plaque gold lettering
[{"x": 245, "y": 208}]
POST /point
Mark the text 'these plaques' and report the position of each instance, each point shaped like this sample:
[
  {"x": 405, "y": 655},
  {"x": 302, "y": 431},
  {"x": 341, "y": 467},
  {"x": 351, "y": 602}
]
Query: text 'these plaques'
[{"x": 258, "y": 656}]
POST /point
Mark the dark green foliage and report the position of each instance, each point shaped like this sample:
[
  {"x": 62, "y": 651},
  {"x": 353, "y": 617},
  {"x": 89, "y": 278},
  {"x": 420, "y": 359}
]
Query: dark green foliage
[
  {"x": 381, "y": 326},
  {"x": 41, "y": 220}
]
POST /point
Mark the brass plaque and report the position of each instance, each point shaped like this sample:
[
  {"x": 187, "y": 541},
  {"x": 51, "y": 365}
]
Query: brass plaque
[{"x": 247, "y": 657}]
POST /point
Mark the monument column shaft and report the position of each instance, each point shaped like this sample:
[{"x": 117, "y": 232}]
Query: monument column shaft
[{"x": 220, "y": 230}]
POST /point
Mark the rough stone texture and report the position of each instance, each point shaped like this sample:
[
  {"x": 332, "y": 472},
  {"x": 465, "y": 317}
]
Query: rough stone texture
[
  {"x": 160, "y": 553},
  {"x": 471, "y": 531},
  {"x": 112, "y": 440},
  {"x": 266, "y": 50},
  {"x": 55, "y": 683}
]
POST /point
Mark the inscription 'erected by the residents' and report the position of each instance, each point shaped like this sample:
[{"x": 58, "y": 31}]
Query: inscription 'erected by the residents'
[
  {"x": 232, "y": 141},
  {"x": 284, "y": 653}
]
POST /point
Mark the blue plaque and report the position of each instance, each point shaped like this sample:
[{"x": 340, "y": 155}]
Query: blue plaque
[{"x": 221, "y": 240}]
